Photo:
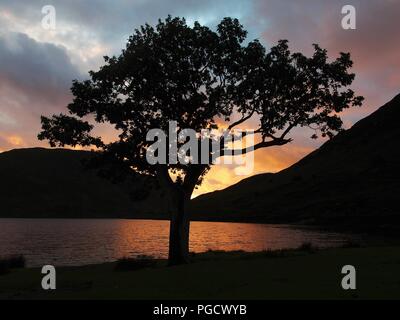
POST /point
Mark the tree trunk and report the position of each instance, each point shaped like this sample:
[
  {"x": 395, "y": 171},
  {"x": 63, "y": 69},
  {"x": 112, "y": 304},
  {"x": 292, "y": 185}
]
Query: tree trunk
[
  {"x": 178, "y": 201},
  {"x": 179, "y": 229}
]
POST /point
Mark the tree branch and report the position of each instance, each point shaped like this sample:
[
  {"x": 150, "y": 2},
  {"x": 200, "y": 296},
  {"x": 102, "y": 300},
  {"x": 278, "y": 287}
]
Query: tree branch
[
  {"x": 243, "y": 119},
  {"x": 262, "y": 144},
  {"x": 290, "y": 127}
]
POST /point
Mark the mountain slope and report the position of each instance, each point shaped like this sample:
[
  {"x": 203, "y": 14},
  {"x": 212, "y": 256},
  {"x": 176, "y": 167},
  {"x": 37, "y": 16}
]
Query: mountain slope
[
  {"x": 351, "y": 180},
  {"x": 53, "y": 183}
]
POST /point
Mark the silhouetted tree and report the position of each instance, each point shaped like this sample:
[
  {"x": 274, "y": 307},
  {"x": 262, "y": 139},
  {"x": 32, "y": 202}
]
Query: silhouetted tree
[{"x": 201, "y": 79}]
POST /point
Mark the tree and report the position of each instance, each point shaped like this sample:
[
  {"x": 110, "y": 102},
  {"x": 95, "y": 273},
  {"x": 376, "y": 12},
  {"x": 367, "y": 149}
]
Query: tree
[{"x": 201, "y": 79}]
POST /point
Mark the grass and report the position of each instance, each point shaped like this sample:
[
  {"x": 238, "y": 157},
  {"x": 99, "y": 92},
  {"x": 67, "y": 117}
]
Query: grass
[
  {"x": 352, "y": 244},
  {"x": 11, "y": 262},
  {"x": 131, "y": 264},
  {"x": 283, "y": 274}
]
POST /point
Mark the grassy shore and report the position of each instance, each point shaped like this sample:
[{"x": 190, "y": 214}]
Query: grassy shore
[{"x": 304, "y": 273}]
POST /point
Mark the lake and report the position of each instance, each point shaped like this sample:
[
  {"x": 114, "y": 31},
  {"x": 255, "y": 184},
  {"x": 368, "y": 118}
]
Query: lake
[{"x": 64, "y": 242}]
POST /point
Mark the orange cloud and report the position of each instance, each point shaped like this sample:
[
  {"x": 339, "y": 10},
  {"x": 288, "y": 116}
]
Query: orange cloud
[{"x": 16, "y": 141}]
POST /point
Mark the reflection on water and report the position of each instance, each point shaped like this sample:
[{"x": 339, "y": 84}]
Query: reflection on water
[{"x": 88, "y": 241}]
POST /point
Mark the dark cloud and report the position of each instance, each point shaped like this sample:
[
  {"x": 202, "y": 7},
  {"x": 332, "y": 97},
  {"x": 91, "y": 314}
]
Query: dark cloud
[
  {"x": 40, "y": 70},
  {"x": 35, "y": 79},
  {"x": 113, "y": 21}
]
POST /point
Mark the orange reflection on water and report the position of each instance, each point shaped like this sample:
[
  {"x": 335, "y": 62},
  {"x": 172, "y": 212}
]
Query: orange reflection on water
[
  {"x": 88, "y": 241},
  {"x": 252, "y": 237}
]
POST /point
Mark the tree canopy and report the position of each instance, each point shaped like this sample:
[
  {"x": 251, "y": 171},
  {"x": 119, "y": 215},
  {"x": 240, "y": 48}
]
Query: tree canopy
[{"x": 202, "y": 79}]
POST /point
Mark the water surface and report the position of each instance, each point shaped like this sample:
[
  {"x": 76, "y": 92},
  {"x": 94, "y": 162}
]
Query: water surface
[{"x": 87, "y": 241}]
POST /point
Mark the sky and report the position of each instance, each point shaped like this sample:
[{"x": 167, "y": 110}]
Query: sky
[{"x": 37, "y": 65}]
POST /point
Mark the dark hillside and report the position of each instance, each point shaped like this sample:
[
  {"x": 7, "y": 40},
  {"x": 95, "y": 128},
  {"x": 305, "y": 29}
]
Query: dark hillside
[
  {"x": 352, "y": 180},
  {"x": 41, "y": 182}
]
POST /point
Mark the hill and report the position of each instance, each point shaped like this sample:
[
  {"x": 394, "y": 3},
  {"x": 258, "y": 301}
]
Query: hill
[
  {"x": 54, "y": 183},
  {"x": 352, "y": 180}
]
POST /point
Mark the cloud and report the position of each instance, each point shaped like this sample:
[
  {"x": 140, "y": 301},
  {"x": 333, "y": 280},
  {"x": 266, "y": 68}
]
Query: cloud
[
  {"x": 41, "y": 70},
  {"x": 374, "y": 45},
  {"x": 4, "y": 144},
  {"x": 91, "y": 29},
  {"x": 35, "y": 78}
]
